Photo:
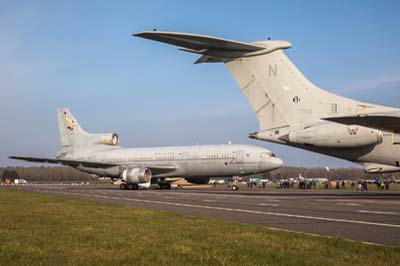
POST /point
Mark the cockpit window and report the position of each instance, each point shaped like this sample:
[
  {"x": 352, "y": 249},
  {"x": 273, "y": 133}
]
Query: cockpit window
[{"x": 267, "y": 154}]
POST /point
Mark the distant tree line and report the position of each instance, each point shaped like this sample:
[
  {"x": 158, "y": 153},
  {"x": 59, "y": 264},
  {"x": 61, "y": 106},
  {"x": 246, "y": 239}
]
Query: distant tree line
[{"x": 44, "y": 174}]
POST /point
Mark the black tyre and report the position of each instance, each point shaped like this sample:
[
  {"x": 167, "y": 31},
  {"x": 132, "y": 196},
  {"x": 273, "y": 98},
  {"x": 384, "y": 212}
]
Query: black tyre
[
  {"x": 130, "y": 186},
  {"x": 122, "y": 186},
  {"x": 135, "y": 186}
]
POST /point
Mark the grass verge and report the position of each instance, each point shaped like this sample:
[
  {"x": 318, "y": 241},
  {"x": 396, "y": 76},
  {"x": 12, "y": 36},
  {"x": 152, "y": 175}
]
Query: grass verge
[{"x": 38, "y": 229}]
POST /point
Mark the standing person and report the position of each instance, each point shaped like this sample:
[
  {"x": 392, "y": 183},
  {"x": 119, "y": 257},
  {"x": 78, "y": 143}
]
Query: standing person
[
  {"x": 343, "y": 184},
  {"x": 353, "y": 184},
  {"x": 365, "y": 185},
  {"x": 382, "y": 186}
]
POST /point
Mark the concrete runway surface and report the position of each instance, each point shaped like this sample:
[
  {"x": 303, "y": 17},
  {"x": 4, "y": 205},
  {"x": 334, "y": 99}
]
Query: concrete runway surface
[{"x": 372, "y": 217}]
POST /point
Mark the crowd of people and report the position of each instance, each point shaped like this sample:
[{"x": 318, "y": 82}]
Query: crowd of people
[{"x": 360, "y": 185}]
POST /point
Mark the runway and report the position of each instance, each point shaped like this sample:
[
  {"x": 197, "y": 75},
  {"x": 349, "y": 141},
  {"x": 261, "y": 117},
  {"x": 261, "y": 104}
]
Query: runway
[{"x": 372, "y": 217}]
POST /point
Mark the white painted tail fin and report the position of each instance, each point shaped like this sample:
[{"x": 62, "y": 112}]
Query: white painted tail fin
[
  {"x": 72, "y": 136},
  {"x": 278, "y": 92},
  {"x": 282, "y": 96},
  {"x": 70, "y": 130}
]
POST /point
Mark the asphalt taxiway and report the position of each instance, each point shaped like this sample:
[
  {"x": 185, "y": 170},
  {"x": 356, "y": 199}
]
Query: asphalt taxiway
[{"x": 372, "y": 217}]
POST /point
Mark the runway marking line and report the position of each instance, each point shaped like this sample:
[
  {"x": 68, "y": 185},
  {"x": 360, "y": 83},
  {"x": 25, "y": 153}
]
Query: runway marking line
[
  {"x": 349, "y": 204},
  {"x": 268, "y": 204},
  {"x": 239, "y": 210},
  {"x": 209, "y": 200},
  {"x": 378, "y": 212}
]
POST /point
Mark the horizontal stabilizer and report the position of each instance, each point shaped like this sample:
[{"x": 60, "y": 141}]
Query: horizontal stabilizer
[
  {"x": 387, "y": 121},
  {"x": 214, "y": 49},
  {"x": 198, "y": 42}
]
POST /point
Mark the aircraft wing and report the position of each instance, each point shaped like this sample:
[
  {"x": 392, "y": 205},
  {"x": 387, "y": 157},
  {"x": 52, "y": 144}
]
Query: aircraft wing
[
  {"x": 198, "y": 43},
  {"x": 63, "y": 161},
  {"x": 387, "y": 121},
  {"x": 155, "y": 169}
]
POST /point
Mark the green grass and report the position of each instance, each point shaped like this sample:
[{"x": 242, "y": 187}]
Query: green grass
[{"x": 38, "y": 229}]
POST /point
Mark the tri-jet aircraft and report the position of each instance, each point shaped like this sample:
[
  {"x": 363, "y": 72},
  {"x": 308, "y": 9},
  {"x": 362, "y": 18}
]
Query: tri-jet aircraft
[
  {"x": 293, "y": 111},
  {"x": 100, "y": 154}
]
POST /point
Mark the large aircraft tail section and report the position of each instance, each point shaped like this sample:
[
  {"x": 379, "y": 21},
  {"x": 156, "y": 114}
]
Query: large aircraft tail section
[
  {"x": 278, "y": 92},
  {"x": 73, "y": 137},
  {"x": 281, "y": 95},
  {"x": 70, "y": 131}
]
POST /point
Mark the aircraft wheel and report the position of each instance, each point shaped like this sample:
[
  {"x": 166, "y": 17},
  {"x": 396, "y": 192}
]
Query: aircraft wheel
[
  {"x": 130, "y": 186},
  {"x": 135, "y": 186},
  {"x": 167, "y": 186},
  {"x": 122, "y": 186}
]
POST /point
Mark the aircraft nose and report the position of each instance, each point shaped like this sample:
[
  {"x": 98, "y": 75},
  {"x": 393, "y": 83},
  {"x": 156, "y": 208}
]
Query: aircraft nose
[
  {"x": 275, "y": 163},
  {"x": 278, "y": 162}
]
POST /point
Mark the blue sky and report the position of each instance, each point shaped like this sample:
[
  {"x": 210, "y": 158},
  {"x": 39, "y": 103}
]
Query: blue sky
[{"x": 80, "y": 54}]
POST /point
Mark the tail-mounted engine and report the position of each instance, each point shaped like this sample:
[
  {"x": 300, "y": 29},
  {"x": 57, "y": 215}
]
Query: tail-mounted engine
[
  {"x": 332, "y": 135},
  {"x": 109, "y": 139}
]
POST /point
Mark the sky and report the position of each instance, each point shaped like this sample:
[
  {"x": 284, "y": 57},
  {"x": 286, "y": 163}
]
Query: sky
[{"x": 81, "y": 55}]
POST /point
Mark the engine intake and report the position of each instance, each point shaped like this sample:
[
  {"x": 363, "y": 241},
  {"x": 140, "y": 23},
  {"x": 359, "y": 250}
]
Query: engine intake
[
  {"x": 109, "y": 139},
  {"x": 136, "y": 175}
]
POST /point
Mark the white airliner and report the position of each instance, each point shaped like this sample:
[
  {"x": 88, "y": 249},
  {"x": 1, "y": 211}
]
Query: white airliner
[
  {"x": 99, "y": 154},
  {"x": 293, "y": 111}
]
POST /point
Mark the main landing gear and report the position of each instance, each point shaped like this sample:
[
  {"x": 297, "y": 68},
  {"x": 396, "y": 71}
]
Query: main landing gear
[
  {"x": 163, "y": 185},
  {"x": 129, "y": 186}
]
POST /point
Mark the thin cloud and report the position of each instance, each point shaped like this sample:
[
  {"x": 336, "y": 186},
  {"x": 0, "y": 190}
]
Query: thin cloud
[{"x": 377, "y": 82}]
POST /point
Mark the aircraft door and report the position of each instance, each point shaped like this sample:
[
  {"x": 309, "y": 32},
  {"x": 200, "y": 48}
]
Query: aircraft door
[
  {"x": 239, "y": 156},
  {"x": 396, "y": 139},
  {"x": 239, "y": 162}
]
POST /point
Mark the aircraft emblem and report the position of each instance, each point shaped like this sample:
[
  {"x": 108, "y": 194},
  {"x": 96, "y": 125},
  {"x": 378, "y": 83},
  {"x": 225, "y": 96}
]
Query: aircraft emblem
[
  {"x": 296, "y": 99},
  {"x": 70, "y": 123},
  {"x": 352, "y": 131}
]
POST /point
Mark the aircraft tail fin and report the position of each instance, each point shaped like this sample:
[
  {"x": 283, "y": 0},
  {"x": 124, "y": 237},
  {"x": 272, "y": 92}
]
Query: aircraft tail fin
[
  {"x": 279, "y": 93},
  {"x": 69, "y": 128},
  {"x": 73, "y": 136}
]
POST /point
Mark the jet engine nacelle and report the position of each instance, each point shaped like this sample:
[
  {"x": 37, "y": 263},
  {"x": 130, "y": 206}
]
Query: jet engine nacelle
[
  {"x": 109, "y": 139},
  {"x": 375, "y": 168},
  {"x": 332, "y": 135},
  {"x": 136, "y": 175}
]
